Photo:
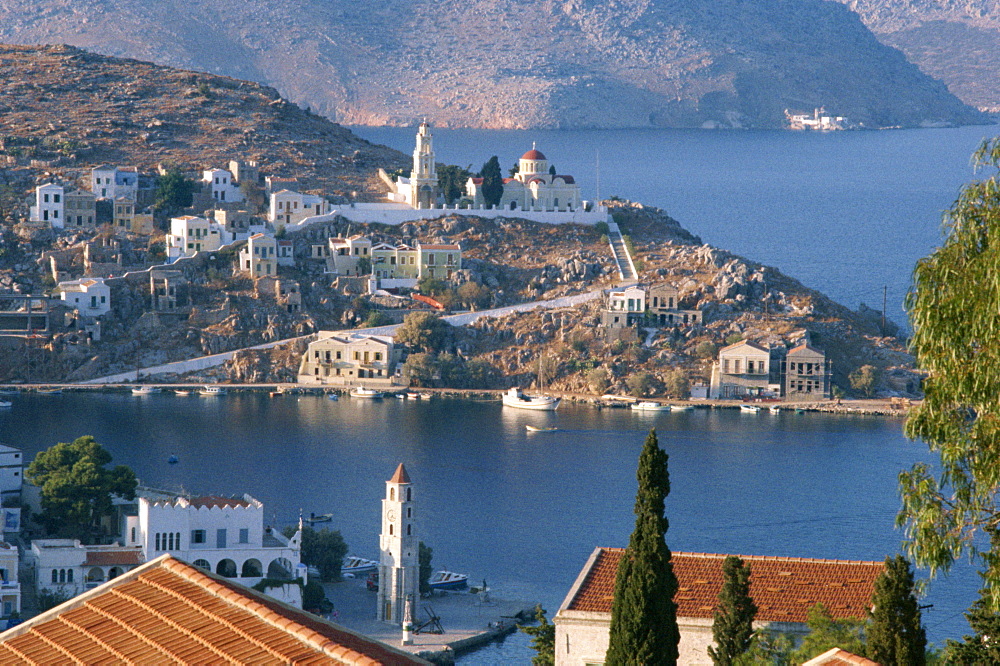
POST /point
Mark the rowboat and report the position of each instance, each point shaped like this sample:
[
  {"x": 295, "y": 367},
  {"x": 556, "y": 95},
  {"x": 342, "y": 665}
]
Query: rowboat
[
  {"x": 6, "y": 404},
  {"x": 54, "y": 391},
  {"x": 181, "y": 392},
  {"x": 531, "y": 428}
]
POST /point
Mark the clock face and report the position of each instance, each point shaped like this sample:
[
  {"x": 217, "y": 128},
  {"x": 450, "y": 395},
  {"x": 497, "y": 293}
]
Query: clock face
[{"x": 390, "y": 514}]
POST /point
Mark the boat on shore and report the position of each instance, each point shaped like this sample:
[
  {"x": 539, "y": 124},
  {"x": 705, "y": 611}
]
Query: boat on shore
[
  {"x": 650, "y": 406},
  {"x": 413, "y": 395},
  {"x": 212, "y": 390},
  {"x": 531, "y": 428},
  {"x": 448, "y": 580},
  {"x": 145, "y": 390},
  {"x": 182, "y": 392},
  {"x": 750, "y": 409},
  {"x": 357, "y": 565},
  {"x": 515, "y": 398},
  {"x": 362, "y": 392}
]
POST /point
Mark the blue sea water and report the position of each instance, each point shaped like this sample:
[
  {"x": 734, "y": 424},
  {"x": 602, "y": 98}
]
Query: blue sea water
[
  {"x": 847, "y": 213},
  {"x": 523, "y": 511}
]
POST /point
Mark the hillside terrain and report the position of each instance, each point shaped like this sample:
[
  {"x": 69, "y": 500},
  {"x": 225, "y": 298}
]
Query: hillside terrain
[
  {"x": 520, "y": 64},
  {"x": 74, "y": 108},
  {"x": 955, "y": 42}
]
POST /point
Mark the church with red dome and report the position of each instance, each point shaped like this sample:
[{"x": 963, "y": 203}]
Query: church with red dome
[{"x": 535, "y": 187}]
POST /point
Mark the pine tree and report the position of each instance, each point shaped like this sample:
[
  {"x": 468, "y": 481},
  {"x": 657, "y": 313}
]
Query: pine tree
[
  {"x": 492, "y": 182},
  {"x": 643, "y": 613},
  {"x": 543, "y": 639},
  {"x": 984, "y": 646},
  {"x": 732, "y": 625},
  {"x": 895, "y": 635}
]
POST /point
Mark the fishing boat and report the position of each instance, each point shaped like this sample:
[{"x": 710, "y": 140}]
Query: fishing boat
[
  {"x": 182, "y": 392},
  {"x": 515, "y": 398},
  {"x": 145, "y": 390},
  {"x": 650, "y": 407},
  {"x": 362, "y": 392},
  {"x": 212, "y": 390},
  {"x": 357, "y": 565},
  {"x": 448, "y": 580},
  {"x": 400, "y": 396},
  {"x": 531, "y": 428},
  {"x": 681, "y": 408},
  {"x": 750, "y": 409},
  {"x": 413, "y": 395}
]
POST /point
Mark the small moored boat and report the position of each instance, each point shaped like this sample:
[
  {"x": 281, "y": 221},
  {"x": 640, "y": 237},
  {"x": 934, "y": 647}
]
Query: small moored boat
[
  {"x": 54, "y": 391},
  {"x": 362, "y": 392},
  {"x": 750, "y": 409},
  {"x": 319, "y": 518},
  {"x": 358, "y": 565},
  {"x": 448, "y": 580},
  {"x": 515, "y": 398},
  {"x": 774, "y": 410},
  {"x": 6, "y": 404},
  {"x": 681, "y": 408},
  {"x": 650, "y": 406},
  {"x": 531, "y": 428},
  {"x": 332, "y": 396},
  {"x": 173, "y": 460},
  {"x": 212, "y": 390},
  {"x": 145, "y": 390},
  {"x": 182, "y": 392},
  {"x": 413, "y": 395}
]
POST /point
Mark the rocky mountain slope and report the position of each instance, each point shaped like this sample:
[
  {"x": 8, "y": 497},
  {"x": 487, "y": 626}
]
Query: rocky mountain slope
[
  {"x": 85, "y": 109},
  {"x": 520, "y": 64},
  {"x": 957, "y": 42}
]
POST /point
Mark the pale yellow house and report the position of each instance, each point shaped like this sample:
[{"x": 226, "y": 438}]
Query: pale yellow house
[
  {"x": 352, "y": 360},
  {"x": 259, "y": 256},
  {"x": 746, "y": 370}
]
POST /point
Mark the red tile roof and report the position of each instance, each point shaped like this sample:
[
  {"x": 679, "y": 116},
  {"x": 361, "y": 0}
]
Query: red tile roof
[
  {"x": 784, "y": 588},
  {"x": 400, "y": 476},
  {"x": 440, "y": 246},
  {"x": 168, "y": 612},
  {"x": 107, "y": 558},
  {"x": 533, "y": 154},
  {"x": 838, "y": 657}
]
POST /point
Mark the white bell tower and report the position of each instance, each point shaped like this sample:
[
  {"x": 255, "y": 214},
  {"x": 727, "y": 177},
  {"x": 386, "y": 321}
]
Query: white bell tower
[
  {"x": 399, "y": 568},
  {"x": 423, "y": 177}
]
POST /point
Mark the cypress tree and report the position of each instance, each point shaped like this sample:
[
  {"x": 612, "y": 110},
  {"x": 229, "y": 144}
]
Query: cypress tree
[
  {"x": 732, "y": 624},
  {"x": 492, "y": 182},
  {"x": 895, "y": 635},
  {"x": 643, "y": 613}
]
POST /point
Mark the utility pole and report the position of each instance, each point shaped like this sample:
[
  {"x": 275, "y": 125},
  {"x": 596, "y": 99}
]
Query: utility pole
[{"x": 885, "y": 289}]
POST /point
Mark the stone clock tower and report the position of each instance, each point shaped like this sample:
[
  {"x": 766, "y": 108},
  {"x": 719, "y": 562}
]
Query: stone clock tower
[
  {"x": 399, "y": 568},
  {"x": 423, "y": 177}
]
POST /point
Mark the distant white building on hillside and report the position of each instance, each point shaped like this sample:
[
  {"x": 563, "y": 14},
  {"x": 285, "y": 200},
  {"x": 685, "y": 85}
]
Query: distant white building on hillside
[
  {"x": 535, "y": 187},
  {"x": 289, "y": 207},
  {"x": 222, "y": 185},
  {"x": 190, "y": 234},
  {"x": 90, "y": 296},
  {"x": 49, "y": 205}
]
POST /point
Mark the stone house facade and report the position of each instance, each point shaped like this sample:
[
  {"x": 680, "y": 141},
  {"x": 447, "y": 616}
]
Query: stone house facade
[{"x": 352, "y": 360}]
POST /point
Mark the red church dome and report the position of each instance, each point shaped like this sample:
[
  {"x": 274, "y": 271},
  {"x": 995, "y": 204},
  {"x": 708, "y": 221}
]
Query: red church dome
[{"x": 533, "y": 154}]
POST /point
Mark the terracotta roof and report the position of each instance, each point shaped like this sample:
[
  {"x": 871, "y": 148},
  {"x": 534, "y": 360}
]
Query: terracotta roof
[
  {"x": 213, "y": 501},
  {"x": 168, "y": 612},
  {"x": 569, "y": 180},
  {"x": 477, "y": 181},
  {"x": 440, "y": 246},
  {"x": 838, "y": 657},
  {"x": 106, "y": 558},
  {"x": 784, "y": 588},
  {"x": 508, "y": 180},
  {"x": 804, "y": 347},
  {"x": 748, "y": 343},
  {"x": 533, "y": 154},
  {"x": 400, "y": 476}
]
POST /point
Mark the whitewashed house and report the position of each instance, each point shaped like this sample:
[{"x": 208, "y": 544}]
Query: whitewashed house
[
  {"x": 222, "y": 185},
  {"x": 111, "y": 182},
  {"x": 11, "y": 471},
  {"x": 190, "y": 234},
  {"x": 10, "y": 586},
  {"x": 90, "y": 296},
  {"x": 290, "y": 207},
  {"x": 259, "y": 256},
  {"x": 67, "y": 568},
  {"x": 745, "y": 370},
  {"x": 49, "y": 205}
]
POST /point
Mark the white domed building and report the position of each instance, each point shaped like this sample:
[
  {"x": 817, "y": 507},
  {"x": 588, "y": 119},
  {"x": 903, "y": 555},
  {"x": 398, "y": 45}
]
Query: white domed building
[{"x": 533, "y": 187}]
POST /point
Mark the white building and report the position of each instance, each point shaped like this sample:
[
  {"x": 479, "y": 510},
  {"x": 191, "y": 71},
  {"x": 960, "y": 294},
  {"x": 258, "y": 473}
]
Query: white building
[
  {"x": 420, "y": 189},
  {"x": 10, "y": 586},
  {"x": 259, "y": 256},
  {"x": 49, "y": 205},
  {"x": 535, "y": 187},
  {"x": 67, "y": 568},
  {"x": 11, "y": 471},
  {"x": 399, "y": 566},
  {"x": 290, "y": 207},
  {"x": 225, "y": 535},
  {"x": 91, "y": 296},
  {"x": 286, "y": 253},
  {"x": 190, "y": 235},
  {"x": 111, "y": 182},
  {"x": 222, "y": 185}
]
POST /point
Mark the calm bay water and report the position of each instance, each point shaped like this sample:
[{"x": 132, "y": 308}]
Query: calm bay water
[
  {"x": 522, "y": 511},
  {"x": 844, "y": 212}
]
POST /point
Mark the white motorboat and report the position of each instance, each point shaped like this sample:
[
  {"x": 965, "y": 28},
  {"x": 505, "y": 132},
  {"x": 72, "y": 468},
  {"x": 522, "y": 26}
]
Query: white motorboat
[
  {"x": 774, "y": 410},
  {"x": 650, "y": 406},
  {"x": 362, "y": 392},
  {"x": 182, "y": 392},
  {"x": 6, "y": 404},
  {"x": 681, "y": 408},
  {"x": 212, "y": 390},
  {"x": 448, "y": 580},
  {"x": 750, "y": 409},
  {"x": 515, "y": 398},
  {"x": 357, "y": 565},
  {"x": 145, "y": 390}
]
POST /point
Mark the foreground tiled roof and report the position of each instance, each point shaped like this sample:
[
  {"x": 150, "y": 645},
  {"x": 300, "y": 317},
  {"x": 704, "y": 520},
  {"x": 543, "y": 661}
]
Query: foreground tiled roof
[
  {"x": 784, "y": 588},
  {"x": 168, "y": 612}
]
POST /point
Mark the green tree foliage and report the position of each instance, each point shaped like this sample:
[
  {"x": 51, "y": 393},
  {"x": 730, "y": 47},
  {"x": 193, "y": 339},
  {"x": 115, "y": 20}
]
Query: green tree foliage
[
  {"x": 543, "y": 639},
  {"x": 863, "y": 380},
  {"x": 377, "y": 318},
  {"x": 983, "y": 647},
  {"x": 452, "y": 180},
  {"x": 954, "y": 309},
  {"x": 425, "y": 331},
  {"x": 706, "y": 350},
  {"x": 432, "y": 286},
  {"x": 767, "y": 647},
  {"x": 324, "y": 549},
  {"x": 826, "y": 633},
  {"x": 733, "y": 338},
  {"x": 643, "y": 613},
  {"x": 492, "y": 182},
  {"x": 676, "y": 384},
  {"x": 364, "y": 265},
  {"x": 895, "y": 635},
  {"x": 420, "y": 369},
  {"x": 313, "y": 596},
  {"x": 732, "y": 622},
  {"x": 173, "y": 192},
  {"x": 598, "y": 379},
  {"x": 424, "y": 558},
  {"x": 473, "y": 294},
  {"x": 77, "y": 488},
  {"x": 640, "y": 384}
]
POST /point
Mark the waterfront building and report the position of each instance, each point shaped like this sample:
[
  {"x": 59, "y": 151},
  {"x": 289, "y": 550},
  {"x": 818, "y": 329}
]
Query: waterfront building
[
  {"x": 535, "y": 187},
  {"x": 399, "y": 563},
  {"x": 664, "y": 306},
  {"x": 624, "y": 312},
  {"x": 166, "y": 611},
  {"x": 747, "y": 370},
  {"x": 351, "y": 360},
  {"x": 808, "y": 373},
  {"x": 290, "y": 207},
  {"x": 90, "y": 296},
  {"x": 784, "y": 589},
  {"x": 226, "y": 535},
  {"x": 259, "y": 256}
]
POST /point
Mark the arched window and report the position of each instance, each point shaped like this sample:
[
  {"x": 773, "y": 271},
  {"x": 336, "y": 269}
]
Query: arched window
[
  {"x": 62, "y": 575},
  {"x": 409, "y": 512},
  {"x": 157, "y": 541},
  {"x": 392, "y": 494},
  {"x": 177, "y": 540},
  {"x": 170, "y": 541},
  {"x": 55, "y": 575},
  {"x": 390, "y": 529},
  {"x": 408, "y": 532},
  {"x": 69, "y": 576},
  {"x": 133, "y": 535},
  {"x": 203, "y": 564},
  {"x": 409, "y": 494}
]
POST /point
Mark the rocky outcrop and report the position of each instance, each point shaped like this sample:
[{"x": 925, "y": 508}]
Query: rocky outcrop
[{"x": 518, "y": 64}]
